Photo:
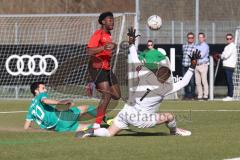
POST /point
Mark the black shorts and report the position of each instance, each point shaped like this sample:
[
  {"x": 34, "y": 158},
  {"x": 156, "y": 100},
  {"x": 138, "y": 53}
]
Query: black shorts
[{"x": 100, "y": 75}]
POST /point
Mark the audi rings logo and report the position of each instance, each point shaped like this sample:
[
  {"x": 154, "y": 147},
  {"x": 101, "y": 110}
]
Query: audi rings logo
[{"x": 31, "y": 64}]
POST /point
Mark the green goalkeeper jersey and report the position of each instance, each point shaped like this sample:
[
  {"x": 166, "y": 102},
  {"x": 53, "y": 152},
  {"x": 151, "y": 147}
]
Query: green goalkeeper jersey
[
  {"x": 44, "y": 115},
  {"x": 151, "y": 58}
]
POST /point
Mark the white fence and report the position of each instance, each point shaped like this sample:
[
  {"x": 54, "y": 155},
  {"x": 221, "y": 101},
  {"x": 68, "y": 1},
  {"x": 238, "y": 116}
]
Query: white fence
[{"x": 174, "y": 32}]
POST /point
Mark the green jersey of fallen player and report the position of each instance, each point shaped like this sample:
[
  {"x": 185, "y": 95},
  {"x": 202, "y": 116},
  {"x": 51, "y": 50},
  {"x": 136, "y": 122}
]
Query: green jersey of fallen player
[
  {"x": 152, "y": 57},
  {"x": 44, "y": 115}
]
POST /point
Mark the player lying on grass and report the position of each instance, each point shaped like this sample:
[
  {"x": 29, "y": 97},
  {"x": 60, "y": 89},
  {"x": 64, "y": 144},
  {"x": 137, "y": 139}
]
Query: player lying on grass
[
  {"x": 45, "y": 113},
  {"x": 141, "y": 110}
]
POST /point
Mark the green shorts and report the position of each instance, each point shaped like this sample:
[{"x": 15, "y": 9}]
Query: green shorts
[{"x": 68, "y": 120}]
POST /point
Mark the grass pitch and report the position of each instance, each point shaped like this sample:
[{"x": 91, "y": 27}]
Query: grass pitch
[{"x": 215, "y": 130}]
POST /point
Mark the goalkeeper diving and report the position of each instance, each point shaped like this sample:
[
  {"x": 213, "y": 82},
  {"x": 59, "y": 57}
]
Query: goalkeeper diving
[{"x": 141, "y": 110}]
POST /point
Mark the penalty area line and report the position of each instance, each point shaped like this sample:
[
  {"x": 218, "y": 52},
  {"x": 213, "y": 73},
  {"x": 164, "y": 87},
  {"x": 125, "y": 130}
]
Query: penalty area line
[
  {"x": 187, "y": 110},
  {"x": 10, "y": 112},
  {"x": 169, "y": 110},
  {"x": 203, "y": 110},
  {"x": 237, "y": 158}
]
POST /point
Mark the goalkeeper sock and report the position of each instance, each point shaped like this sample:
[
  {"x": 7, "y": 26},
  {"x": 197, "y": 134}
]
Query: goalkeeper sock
[
  {"x": 172, "y": 125},
  {"x": 101, "y": 132},
  {"x": 92, "y": 111}
]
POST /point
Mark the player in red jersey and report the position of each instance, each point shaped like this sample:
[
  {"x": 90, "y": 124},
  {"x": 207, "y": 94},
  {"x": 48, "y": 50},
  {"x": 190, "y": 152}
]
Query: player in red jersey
[{"x": 100, "y": 47}]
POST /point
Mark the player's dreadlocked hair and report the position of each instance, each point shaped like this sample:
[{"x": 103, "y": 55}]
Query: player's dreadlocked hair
[{"x": 34, "y": 86}]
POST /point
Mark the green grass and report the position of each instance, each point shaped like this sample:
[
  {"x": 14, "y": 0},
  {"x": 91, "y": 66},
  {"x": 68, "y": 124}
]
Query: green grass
[{"x": 215, "y": 135}]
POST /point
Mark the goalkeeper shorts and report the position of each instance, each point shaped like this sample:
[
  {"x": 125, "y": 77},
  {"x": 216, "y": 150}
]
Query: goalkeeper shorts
[{"x": 129, "y": 115}]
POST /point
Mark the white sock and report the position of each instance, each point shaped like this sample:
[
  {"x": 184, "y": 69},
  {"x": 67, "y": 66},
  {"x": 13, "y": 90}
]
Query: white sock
[
  {"x": 96, "y": 125},
  {"x": 101, "y": 132}
]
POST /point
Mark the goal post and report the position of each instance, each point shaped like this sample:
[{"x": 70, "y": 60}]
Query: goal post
[
  {"x": 236, "y": 74},
  {"x": 52, "y": 48}
]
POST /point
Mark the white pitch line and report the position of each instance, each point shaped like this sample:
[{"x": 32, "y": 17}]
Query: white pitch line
[
  {"x": 186, "y": 110},
  {"x": 9, "y": 112},
  {"x": 202, "y": 110},
  {"x": 237, "y": 158}
]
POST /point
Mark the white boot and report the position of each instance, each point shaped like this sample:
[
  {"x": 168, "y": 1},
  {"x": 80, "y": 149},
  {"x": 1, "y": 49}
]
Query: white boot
[
  {"x": 227, "y": 98},
  {"x": 182, "y": 132}
]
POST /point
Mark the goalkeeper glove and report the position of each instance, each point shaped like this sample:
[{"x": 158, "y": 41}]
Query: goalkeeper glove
[
  {"x": 195, "y": 56},
  {"x": 131, "y": 35}
]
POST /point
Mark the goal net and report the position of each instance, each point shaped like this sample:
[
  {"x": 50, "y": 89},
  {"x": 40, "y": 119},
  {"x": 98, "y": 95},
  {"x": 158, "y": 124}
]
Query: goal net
[
  {"x": 52, "y": 49},
  {"x": 236, "y": 75}
]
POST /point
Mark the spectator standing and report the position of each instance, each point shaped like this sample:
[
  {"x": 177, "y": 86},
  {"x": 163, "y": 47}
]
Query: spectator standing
[
  {"x": 202, "y": 68},
  {"x": 188, "y": 48}
]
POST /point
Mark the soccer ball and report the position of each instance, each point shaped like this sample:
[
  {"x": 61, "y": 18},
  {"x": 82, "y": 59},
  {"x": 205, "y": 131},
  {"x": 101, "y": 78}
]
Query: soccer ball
[{"x": 154, "y": 22}]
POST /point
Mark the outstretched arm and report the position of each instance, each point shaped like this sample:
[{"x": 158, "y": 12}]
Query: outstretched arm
[
  {"x": 56, "y": 102},
  {"x": 131, "y": 40},
  {"x": 182, "y": 83},
  {"x": 187, "y": 77},
  {"x": 133, "y": 54},
  {"x": 61, "y": 105},
  {"x": 28, "y": 126}
]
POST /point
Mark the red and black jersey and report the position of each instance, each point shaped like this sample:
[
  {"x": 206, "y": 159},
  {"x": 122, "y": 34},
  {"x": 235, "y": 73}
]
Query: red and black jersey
[{"x": 102, "y": 59}]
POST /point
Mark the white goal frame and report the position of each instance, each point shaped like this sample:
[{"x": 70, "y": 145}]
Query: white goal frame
[{"x": 236, "y": 74}]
